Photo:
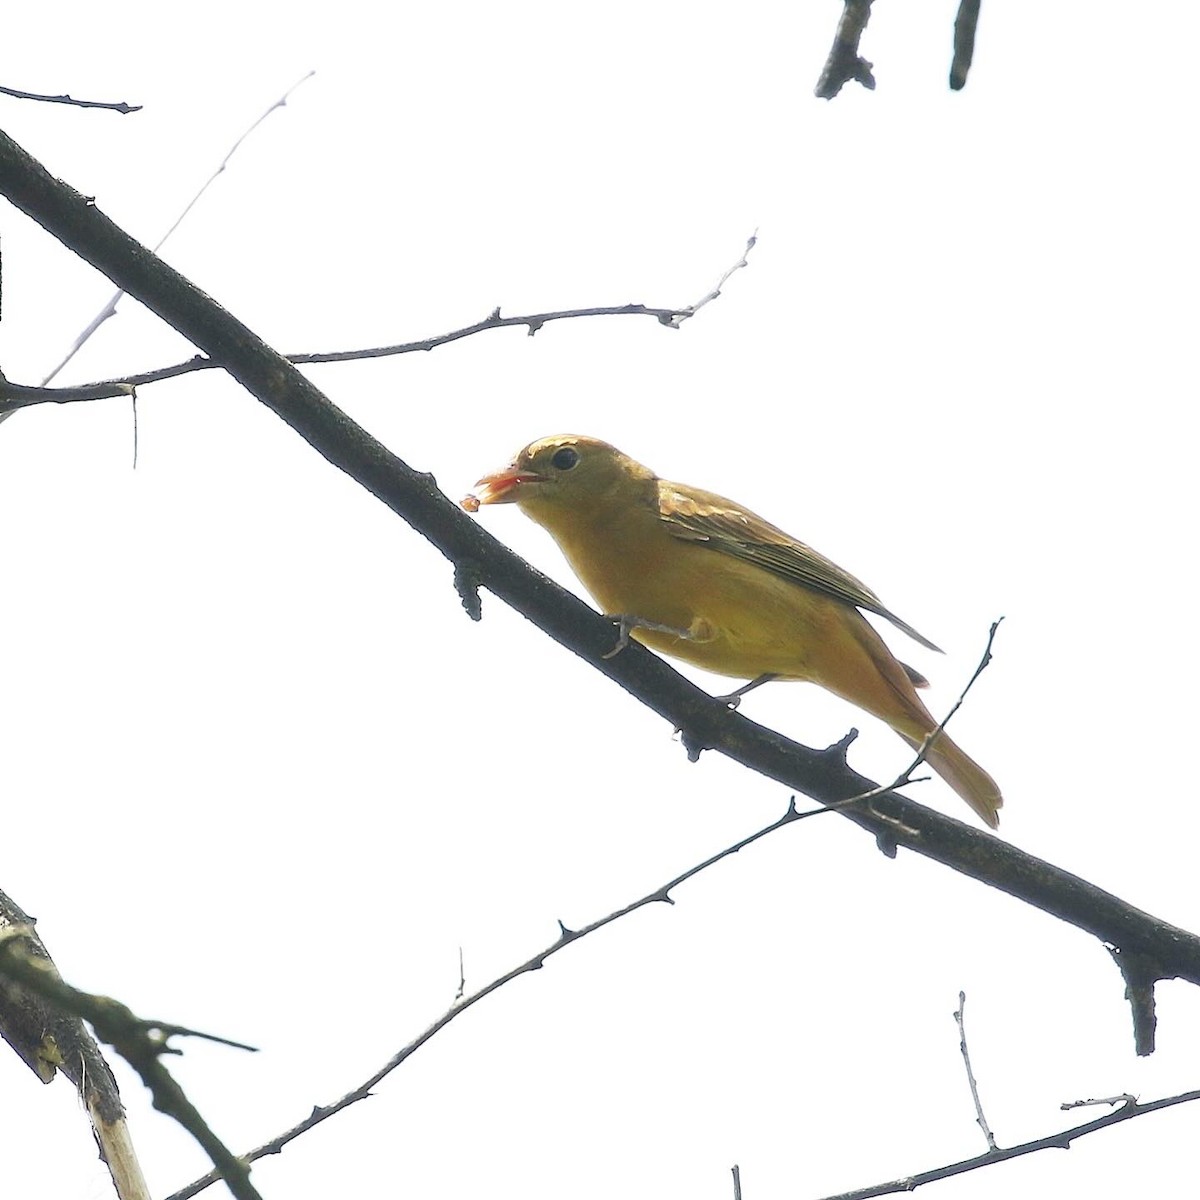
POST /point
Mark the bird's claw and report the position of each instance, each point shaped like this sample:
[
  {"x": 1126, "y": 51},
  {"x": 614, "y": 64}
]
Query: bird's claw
[
  {"x": 734, "y": 699},
  {"x": 626, "y": 624}
]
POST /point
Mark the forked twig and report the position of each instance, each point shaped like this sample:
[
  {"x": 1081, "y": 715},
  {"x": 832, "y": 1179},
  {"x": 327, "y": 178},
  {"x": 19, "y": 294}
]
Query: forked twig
[
  {"x": 110, "y": 307},
  {"x": 14, "y": 395},
  {"x": 1056, "y": 1141},
  {"x": 660, "y": 895},
  {"x": 566, "y": 936}
]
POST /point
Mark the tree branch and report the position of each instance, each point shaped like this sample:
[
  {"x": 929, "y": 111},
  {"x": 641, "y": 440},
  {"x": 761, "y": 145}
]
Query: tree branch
[
  {"x": 49, "y": 1039},
  {"x": 14, "y": 396},
  {"x": 118, "y": 106},
  {"x": 964, "y": 42},
  {"x": 661, "y": 894},
  {"x": 140, "y": 1042},
  {"x": 566, "y": 937},
  {"x": 1056, "y": 1141},
  {"x": 110, "y": 307},
  {"x": 1169, "y": 952},
  {"x": 980, "y": 1119},
  {"x": 844, "y": 62}
]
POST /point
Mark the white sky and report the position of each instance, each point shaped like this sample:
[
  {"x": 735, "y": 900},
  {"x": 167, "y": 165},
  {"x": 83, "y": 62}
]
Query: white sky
[{"x": 262, "y": 775}]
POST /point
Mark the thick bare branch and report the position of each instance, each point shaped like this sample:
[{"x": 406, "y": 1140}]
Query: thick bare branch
[
  {"x": 49, "y": 1040},
  {"x": 965, "y": 24},
  {"x": 140, "y": 1042},
  {"x": 844, "y": 62}
]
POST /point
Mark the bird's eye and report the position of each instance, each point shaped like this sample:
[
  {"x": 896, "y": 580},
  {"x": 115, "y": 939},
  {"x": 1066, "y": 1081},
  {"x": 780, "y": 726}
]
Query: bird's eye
[{"x": 565, "y": 458}]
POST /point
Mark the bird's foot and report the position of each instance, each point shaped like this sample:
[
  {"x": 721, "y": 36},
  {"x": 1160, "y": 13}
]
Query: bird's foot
[
  {"x": 734, "y": 699},
  {"x": 627, "y": 623}
]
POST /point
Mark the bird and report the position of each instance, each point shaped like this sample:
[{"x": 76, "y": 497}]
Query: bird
[{"x": 703, "y": 579}]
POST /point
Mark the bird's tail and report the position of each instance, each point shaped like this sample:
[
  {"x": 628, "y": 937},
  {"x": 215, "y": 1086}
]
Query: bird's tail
[
  {"x": 879, "y": 683},
  {"x": 964, "y": 775}
]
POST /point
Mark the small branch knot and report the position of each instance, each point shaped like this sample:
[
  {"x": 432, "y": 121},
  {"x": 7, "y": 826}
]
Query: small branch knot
[
  {"x": 1140, "y": 973},
  {"x": 466, "y": 584}
]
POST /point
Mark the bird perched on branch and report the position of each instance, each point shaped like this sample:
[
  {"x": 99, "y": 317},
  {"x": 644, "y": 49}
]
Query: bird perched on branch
[{"x": 698, "y": 577}]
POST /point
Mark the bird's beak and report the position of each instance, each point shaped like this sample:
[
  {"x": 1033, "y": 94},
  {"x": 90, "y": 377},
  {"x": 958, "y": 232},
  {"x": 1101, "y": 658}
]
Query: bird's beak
[{"x": 501, "y": 487}]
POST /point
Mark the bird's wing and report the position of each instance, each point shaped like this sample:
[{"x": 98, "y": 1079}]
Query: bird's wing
[{"x": 713, "y": 521}]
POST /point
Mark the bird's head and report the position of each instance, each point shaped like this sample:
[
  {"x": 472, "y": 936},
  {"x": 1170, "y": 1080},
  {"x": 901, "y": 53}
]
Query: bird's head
[{"x": 558, "y": 474}]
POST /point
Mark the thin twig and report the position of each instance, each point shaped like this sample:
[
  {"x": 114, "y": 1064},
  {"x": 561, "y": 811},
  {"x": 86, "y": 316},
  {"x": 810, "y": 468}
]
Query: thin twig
[
  {"x": 1123, "y": 1098},
  {"x": 14, "y": 396},
  {"x": 930, "y": 738},
  {"x": 1056, "y": 1141},
  {"x": 110, "y": 307},
  {"x": 737, "y": 1182},
  {"x": 980, "y": 1119},
  {"x": 22, "y": 395},
  {"x": 692, "y": 309},
  {"x": 119, "y": 106},
  {"x": 660, "y": 895}
]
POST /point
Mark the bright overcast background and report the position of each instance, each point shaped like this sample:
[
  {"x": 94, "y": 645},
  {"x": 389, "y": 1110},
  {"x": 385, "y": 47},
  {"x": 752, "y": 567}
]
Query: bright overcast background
[{"x": 263, "y": 777}]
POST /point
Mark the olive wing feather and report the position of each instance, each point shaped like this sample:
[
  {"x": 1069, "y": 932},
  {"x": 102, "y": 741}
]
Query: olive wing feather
[{"x": 711, "y": 520}]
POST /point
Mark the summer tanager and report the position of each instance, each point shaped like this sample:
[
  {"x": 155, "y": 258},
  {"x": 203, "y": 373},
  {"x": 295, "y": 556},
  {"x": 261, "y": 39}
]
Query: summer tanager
[{"x": 703, "y": 579}]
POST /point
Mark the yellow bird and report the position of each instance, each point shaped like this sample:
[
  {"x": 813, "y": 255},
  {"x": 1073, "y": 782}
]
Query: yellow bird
[{"x": 703, "y": 579}]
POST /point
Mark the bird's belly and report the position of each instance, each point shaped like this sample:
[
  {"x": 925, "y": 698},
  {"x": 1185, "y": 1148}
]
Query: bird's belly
[
  {"x": 738, "y": 643},
  {"x": 742, "y": 621}
]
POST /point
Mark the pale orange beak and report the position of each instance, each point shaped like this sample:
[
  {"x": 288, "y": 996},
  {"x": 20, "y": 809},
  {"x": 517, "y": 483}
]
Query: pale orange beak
[{"x": 501, "y": 487}]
